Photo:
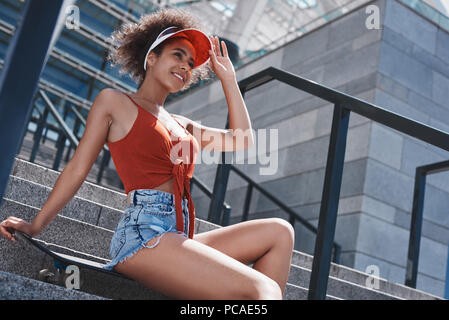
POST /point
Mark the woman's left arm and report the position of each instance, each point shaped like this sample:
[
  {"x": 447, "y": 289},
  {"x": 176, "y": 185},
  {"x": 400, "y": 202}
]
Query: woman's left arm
[
  {"x": 239, "y": 136},
  {"x": 221, "y": 65},
  {"x": 239, "y": 121}
]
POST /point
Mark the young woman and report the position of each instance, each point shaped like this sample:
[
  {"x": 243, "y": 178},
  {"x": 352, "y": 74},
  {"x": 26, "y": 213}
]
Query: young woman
[{"x": 154, "y": 242}]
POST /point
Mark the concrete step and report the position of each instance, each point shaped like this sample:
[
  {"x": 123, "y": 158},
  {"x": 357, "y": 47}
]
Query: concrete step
[
  {"x": 64, "y": 231},
  {"x": 106, "y": 218},
  {"x": 360, "y": 278},
  {"x": 27, "y": 261},
  {"x": 337, "y": 287},
  {"x": 23, "y": 259},
  {"x": 16, "y": 287}
]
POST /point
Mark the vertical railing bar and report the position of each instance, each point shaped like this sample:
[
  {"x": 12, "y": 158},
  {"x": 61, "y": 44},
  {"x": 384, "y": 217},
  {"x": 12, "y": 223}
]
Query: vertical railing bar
[
  {"x": 249, "y": 192},
  {"x": 226, "y": 215},
  {"x": 104, "y": 163},
  {"x": 337, "y": 252},
  {"x": 46, "y": 128},
  {"x": 415, "y": 228},
  {"x": 60, "y": 144},
  {"x": 219, "y": 192},
  {"x": 38, "y": 135},
  {"x": 292, "y": 220},
  {"x": 69, "y": 148},
  {"x": 329, "y": 204}
]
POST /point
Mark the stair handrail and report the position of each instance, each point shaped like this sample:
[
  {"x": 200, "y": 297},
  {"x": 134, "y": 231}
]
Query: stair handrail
[
  {"x": 343, "y": 105},
  {"x": 63, "y": 125},
  {"x": 226, "y": 207},
  {"x": 292, "y": 214},
  {"x": 68, "y": 133},
  {"x": 421, "y": 174}
]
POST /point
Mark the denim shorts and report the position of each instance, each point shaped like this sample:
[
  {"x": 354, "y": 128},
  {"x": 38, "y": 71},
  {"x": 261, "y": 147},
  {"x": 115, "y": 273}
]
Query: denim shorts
[{"x": 151, "y": 214}]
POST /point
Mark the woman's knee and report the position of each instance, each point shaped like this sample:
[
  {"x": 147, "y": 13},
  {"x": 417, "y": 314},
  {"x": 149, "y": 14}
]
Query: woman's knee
[
  {"x": 284, "y": 231},
  {"x": 266, "y": 289}
]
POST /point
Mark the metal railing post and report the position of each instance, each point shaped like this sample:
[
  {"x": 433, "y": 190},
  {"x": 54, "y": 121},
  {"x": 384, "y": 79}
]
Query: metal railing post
[
  {"x": 75, "y": 132},
  {"x": 46, "y": 128},
  {"x": 226, "y": 215},
  {"x": 415, "y": 228},
  {"x": 417, "y": 218},
  {"x": 38, "y": 134},
  {"x": 104, "y": 163},
  {"x": 219, "y": 192},
  {"x": 249, "y": 193},
  {"x": 60, "y": 143},
  {"x": 337, "y": 252},
  {"x": 329, "y": 204}
]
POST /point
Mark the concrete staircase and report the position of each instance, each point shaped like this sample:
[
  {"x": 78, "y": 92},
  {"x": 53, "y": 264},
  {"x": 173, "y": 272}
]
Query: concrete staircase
[{"x": 84, "y": 228}]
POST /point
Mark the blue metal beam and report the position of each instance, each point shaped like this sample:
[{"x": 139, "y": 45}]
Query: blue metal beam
[{"x": 26, "y": 57}]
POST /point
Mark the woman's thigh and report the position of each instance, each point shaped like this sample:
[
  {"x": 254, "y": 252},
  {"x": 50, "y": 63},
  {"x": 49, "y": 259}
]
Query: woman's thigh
[
  {"x": 249, "y": 240},
  {"x": 183, "y": 268}
]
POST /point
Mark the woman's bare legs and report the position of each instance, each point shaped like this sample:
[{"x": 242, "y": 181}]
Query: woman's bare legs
[
  {"x": 188, "y": 269},
  {"x": 268, "y": 243}
]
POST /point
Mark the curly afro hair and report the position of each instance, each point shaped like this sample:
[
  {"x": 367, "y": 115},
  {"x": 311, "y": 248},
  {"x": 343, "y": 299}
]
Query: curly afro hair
[{"x": 133, "y": 40}]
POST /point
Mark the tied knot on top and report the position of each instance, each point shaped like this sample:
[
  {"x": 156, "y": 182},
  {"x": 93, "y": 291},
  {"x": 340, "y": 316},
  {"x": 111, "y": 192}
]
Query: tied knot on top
[
  {"x": 178, "y": 172},
  {"x": 182, "y": 183}
]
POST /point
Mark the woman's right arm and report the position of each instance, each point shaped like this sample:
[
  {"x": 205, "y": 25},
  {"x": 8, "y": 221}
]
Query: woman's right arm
[{"x": 72, "y": 177}]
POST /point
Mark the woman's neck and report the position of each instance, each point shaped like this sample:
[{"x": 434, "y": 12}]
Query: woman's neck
[{"x": 153, "y": 92}]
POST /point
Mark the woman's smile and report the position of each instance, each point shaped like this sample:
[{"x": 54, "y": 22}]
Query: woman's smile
[{"x": 178, "y": 77}]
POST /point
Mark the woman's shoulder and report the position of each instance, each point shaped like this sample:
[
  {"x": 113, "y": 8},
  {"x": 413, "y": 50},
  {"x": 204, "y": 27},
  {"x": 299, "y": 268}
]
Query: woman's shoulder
[
  {"x": 110, "y": 94},
  {"x": 112, "y": 101},
  {"x": 111, "y": 98}
]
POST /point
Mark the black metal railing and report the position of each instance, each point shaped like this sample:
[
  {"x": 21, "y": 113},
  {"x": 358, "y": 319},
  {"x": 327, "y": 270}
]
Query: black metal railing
[
  {"x": 226, "y": 207},
  {"x": 417, "y": 218},
  {"x": 64, "y": 132},
  {"x": 343, "y": 105},
  {"x": 293, "y": 216}
]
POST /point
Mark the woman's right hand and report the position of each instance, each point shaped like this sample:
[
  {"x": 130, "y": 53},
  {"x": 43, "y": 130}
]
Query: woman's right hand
[{"x": 8, "y": 226}]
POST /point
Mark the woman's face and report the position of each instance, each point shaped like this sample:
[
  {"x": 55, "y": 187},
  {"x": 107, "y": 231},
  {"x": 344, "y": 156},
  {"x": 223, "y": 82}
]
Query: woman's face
[{"x": 173, "y": 68}]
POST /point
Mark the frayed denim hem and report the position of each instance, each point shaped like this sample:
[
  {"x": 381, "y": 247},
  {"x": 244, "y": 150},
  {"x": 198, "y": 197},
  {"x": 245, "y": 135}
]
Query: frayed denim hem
[{"x": 110, "y": 265}]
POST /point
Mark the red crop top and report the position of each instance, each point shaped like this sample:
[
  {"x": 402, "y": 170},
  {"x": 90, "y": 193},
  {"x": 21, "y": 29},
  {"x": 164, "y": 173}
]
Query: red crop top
[{"x": 147, "y": 157}]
